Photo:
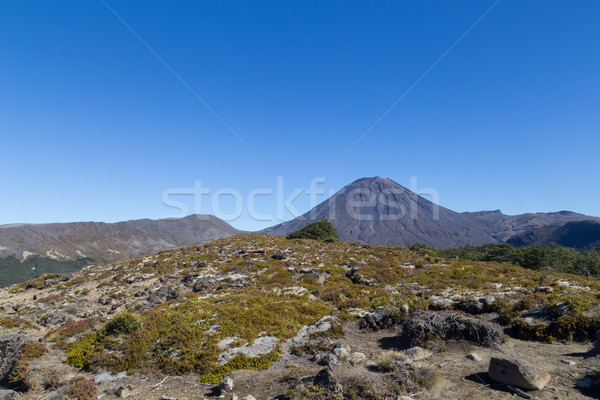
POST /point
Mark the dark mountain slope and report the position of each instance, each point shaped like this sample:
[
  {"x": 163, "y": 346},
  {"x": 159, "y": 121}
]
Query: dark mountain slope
[{"x": 582, "y": 235}]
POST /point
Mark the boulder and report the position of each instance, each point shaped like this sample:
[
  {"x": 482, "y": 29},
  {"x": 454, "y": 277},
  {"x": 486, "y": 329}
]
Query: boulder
[
  {"x": 203, "y": 284},
  {"x": 161, "y": 295},
  {"x": 417, "y": 353},
  {"x": 8, "y": 394},
  {"x": 226, "y": 385},
  {"x": 519, "y": 373},
  {"x": 10, "y": 350},
  {"x": 53, "y": 318}
]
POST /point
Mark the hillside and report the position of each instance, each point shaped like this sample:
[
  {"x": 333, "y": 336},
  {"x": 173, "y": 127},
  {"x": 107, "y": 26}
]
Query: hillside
[
  {"x": 581, "y": 235},
  {"x": 379, "y": 211},
  {"x": 108, "y": 241},
  {"x": 295, "y": 319}
]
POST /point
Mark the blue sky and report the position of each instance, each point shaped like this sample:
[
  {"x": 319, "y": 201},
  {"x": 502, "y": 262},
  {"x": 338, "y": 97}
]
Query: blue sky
[{"x": 95, "y": 127}]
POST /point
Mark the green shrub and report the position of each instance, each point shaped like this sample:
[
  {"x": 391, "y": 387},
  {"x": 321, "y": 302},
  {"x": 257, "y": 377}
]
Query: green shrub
[
  {"x": 263, "y": 361},
  {"x": 123, "y": 323},
  {"x": 321, "y": 230}
]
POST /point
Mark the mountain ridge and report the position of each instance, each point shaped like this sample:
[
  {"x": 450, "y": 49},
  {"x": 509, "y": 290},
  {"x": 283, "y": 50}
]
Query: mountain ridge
[
  {"x": 104, "y": 241},
  {"x": 416, "y": 222}
]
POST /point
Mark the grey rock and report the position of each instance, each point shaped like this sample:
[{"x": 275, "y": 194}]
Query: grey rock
[
  {"x": 53, "y": 318},
  {"x": 357, "y": 358},
  {"x": 8, "y": 394},
  {"x": 203, "y": 284},
  {"x": 519, "y": 373},
  {"x": 249, "y": 397},
  {"x": 474, "y": 357},
  {"x": 161, "y": 295},
  {"x": 10, "y": 349},
  {"x": 568, "y": 362},
  {"x": 226, "y": 385},
  {"x": 417, "y": 353},
  {"x": 105, "y": 300},
  {"x": 341, "y": 352},
  {"x": 123, "y": 391}
]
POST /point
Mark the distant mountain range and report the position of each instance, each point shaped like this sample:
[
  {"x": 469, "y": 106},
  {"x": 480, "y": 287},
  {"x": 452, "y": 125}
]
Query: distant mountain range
[
  {"x": 582, "y": 235},
  {"x": 109, "y": 241},
  {"x": 376, "y": 210},
  {"x": 379, "y": 211}
]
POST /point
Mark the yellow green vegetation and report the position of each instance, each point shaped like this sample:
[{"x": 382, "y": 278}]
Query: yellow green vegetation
[{"x": 258, "y": 295}]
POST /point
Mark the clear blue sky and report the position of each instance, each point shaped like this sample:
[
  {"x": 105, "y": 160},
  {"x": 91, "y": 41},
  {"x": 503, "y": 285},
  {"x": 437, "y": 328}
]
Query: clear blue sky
[{"x": 95, "y": 127}]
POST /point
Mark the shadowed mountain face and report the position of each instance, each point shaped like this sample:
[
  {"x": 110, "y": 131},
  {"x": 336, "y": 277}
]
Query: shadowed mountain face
[
  {"x": 582, "y": 235},
  {"x": 109, "y": 242},
  {"x": 379, "y": 211}
]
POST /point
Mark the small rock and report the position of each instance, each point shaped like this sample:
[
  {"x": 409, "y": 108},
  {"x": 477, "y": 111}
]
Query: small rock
[
  {"x": 403, "y": 398},
  {"x": 226, "y": 385},
  {"x": 8, "y": 394},
  {"x": 518, "y": 373},
  {"x": 357, "y": 358},
  {"x": 341, "y": 352},
  {"x": 249, "y": 397},
  {"x": 568, "y": 362},
  {"x": 203, "y": 284},
  {"x": 329, "y": 359},
  {"x": 234, "y": 397},
  {"x": 123, "y": 391},
  {"x": 341, "y": 345},
  {"x": 474, "y": 357},
  {"x": 278, "y": 257},
  {"x": 200, "y": 247},
  {"x": 104, "y": 300},
  {"x": 417, "y": 353},
  {"x": 163, "y": 397}
]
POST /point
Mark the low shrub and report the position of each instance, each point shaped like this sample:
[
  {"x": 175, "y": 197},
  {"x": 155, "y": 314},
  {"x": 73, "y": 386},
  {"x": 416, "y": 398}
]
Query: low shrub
[{"x": 321, "y": 230}]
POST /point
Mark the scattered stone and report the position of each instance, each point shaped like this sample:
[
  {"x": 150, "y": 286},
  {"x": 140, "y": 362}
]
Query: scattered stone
[
  {"x": 518, "y": 373},
  {"x": 417, "y": 353},
  {"x": 123, "y": 391},
  {"x": 10, "y": 349},
  {"x": 203, "y": 284},
  {"x": 104, "y": 300},
  {"x": 329, "y": 359},
  {"x": 357, "y": 358},
  {"x": 200, "y": 247},
  {"x": 161, "y": 295},
  {"x": 53, "y": 318},
  {"x": 226, "y": 385},
  {"x": 474, "y": 357},
  {"x": 278, "y": 257},
  {"x": 249, "y": 397},
  {"x": 189, "y": 278},
  {"x": 234, "y": 397},
  {"x": 403, "y": 398},
  {"x": 568, "y": 362},
  {"x": 141, "y": 293},
  {"x": 8, "y": 394},
  {"x": 544, "y": 289},
  {"x": 341, "y": 352}
]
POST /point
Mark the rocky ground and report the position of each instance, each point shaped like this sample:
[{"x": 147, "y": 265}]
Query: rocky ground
[{"x": 272, "y": 318}]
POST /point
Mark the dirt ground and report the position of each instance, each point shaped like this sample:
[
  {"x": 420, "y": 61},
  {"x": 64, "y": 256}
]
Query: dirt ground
[{"x": 463, "y": 378}]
